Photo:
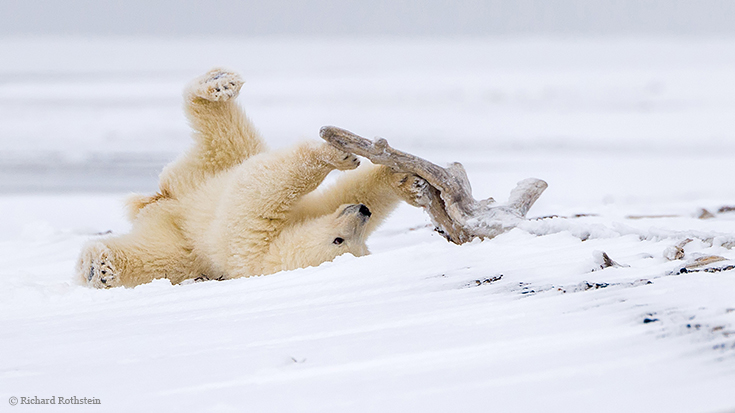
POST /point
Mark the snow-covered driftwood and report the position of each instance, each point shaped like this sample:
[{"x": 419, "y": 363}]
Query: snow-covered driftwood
[{"x": 457, "y": 215}]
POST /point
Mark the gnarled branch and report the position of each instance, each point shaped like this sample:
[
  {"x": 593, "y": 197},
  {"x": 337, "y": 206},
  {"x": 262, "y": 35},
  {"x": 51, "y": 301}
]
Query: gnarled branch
[{"x": 452, "y": 208}]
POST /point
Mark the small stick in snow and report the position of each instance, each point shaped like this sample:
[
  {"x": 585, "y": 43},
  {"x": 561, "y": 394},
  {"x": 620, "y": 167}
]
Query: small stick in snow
[
  {"x": 676, "y": 252},
  {"x": 704, "y": 264},
  {"x": 604, "y": 260},
  {"x": 703, "y": 261},
  {"x": 704, "y": 214},
  {"x": 457, "y": 215}
]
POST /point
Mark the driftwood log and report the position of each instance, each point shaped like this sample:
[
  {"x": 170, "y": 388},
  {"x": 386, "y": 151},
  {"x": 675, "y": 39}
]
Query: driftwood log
[{"x": 455, "y": 213}]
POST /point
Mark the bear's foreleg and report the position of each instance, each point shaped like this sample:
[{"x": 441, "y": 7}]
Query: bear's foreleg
[
  {"x": 378, "y": 187},
  {"x": 259, "y": 200},
  {"x": 272, "y": 186}
]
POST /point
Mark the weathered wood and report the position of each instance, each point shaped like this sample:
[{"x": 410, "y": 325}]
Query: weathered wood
[{"x": 452, "y": 208}]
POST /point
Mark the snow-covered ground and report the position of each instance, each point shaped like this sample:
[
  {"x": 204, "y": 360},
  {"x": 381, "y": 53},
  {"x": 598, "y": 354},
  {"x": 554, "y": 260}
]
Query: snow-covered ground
[{"x": 636, "y": 134}]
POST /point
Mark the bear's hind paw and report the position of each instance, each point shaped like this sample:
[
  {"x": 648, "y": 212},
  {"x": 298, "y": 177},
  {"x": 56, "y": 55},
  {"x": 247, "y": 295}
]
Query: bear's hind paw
[
  {"x": 217, "y": 85},
  {"x": 97, "y": 269}
]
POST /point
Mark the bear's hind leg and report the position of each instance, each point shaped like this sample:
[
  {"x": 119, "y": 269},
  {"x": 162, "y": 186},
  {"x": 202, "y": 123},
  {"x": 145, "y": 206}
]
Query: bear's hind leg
[
  {"x": 223, "y": 135},
  {"x": 127, "y": 262}
]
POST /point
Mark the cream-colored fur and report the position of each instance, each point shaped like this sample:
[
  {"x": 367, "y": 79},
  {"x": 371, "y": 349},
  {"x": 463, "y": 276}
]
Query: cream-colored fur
[{"x": 227, "y": 208}]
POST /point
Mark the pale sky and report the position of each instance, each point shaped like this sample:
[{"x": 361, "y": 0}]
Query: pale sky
[{"x": 366, "y": 17}]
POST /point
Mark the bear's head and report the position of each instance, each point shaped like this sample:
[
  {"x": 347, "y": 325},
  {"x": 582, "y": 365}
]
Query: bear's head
[{"x": 317, "y": 240}]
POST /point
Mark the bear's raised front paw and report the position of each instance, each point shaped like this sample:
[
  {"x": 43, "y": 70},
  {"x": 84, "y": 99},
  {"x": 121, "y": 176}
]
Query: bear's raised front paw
[
  {"x": 338, "y": 158},
  {"x": 217, "y": 85},
  {"x": 413, "y": 189},
  {"x": 96, "y": 267}
]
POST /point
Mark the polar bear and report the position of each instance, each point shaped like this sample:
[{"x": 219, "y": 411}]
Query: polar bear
[{"x": 230, "y": 208}]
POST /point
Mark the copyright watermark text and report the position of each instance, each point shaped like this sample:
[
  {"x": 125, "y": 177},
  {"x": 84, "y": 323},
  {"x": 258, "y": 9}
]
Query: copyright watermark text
[{"x": 35, "y": 400}]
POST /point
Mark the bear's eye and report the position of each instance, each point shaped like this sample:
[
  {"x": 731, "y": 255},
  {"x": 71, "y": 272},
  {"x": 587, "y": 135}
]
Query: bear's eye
[{"x": 338, "y": 241}]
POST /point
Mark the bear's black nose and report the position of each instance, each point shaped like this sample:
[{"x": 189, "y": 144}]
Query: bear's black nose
[{"x": 365, "y": 211}]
